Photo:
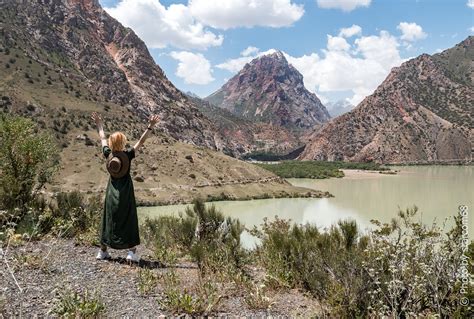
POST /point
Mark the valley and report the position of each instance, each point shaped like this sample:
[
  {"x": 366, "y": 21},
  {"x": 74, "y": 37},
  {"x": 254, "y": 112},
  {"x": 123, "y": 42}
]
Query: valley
[
  {"x": 271, "y": 195},
  {"x": 55, "y": 85}
]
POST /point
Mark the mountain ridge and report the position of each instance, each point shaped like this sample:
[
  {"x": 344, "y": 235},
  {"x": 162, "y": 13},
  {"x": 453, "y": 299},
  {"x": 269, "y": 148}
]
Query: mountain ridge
[
  {"x": 82, "y": 43},
  {"x": 60, "y": 60},
  {"x": 419, "y": 113}
]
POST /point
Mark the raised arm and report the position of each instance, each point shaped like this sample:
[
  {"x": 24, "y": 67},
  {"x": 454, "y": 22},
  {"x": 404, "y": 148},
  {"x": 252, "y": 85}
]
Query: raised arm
[
  {"x": 98, "y": 121},
  {"x": 151, "y": 122}
]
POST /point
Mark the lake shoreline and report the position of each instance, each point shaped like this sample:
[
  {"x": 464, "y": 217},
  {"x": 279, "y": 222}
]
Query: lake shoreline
[
  {"x": 358, "y": 173},
  {"x": 225, "y": 194},
  {"x": 219, "y": 193}
]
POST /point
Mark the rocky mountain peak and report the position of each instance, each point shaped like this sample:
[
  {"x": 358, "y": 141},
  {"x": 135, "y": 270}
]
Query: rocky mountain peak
[
  {"x": 270, "y": 90},
  {"x": 83, "y": 3},
  {"x": 274, "y": 55},
  {"x": 274, "y": 67},
  {"x": 88, "y": 5}
]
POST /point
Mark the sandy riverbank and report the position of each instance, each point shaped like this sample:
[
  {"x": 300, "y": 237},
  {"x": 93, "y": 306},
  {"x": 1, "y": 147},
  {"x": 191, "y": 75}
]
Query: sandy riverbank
[{"x": 362, "y": 174}]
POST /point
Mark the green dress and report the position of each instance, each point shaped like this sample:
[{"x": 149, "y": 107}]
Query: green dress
[{"x": 119, "y": 220}]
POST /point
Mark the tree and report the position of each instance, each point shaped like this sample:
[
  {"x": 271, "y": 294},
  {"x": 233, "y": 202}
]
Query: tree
[{"x": 28, "y": 160}]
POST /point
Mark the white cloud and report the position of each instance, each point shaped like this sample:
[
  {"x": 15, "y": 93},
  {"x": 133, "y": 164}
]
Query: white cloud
[
  {"x": 194, "y": 68},
  {"x": 307, "y": 64},
  {"x": 345, "y": 5},
  {"x": 235, "y": 65},
  {"x": 382, "y": 49},
  {"x": 337, "y": 44},
  {"x": 359, "y": 70},
  {"x": 470, "y": 4},
  {"x": 249, "y": 51},
  {"x": 351, "y": 31},
  {"x": 471, "y": 28},
  {"x": 411, "y": 31},
  {"x": 246, "y": 13},
  {"x": 160, "y": 27},
  {"x": 343, "y": 67}
]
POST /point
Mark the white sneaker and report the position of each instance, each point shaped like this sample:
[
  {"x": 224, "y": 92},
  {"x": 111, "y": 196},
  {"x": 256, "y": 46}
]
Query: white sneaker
[
  {"x": 101, "y": 255},
  {"x": 131, "y": 256}
]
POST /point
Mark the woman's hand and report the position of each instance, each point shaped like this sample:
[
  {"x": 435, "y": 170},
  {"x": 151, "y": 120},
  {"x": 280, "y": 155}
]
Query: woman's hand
[
  {"x": 153, "y": 120},
  {"x": 96, "y": 118},
  {"x": 98, "y": 121}
]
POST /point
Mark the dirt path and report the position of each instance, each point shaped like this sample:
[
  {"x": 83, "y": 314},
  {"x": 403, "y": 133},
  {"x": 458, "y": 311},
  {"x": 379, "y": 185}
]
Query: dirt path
[{"x": 45, "y": 268}]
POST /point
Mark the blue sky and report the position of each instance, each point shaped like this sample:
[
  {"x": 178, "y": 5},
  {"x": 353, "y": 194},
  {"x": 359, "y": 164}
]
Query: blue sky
[{"x": 199, "y": 43}]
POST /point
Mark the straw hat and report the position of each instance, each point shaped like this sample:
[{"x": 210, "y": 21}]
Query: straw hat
[{"x": 118, "y": 164}]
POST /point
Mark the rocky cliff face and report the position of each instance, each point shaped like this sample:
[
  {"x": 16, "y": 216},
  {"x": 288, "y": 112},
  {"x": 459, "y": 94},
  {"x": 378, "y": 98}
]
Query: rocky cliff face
[
  {"x": 97, "y": 58},
  {"x": 423, "y": 111},
  {"x": 270, "y": 90}
]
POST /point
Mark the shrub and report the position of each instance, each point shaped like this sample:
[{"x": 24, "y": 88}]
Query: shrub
[
  {"x": 217, "y": 245},
  {"x": 178, "y": 301},
  {"x": 256, "y": 296},
  {"x": 316, "y": 169},
  {"x": 169, "y": 237},
  {"x": 212, "y": 240},
  {"x": 400, "y": 269},
  {"x": 299, "y": 255},
  {"x": 73, "y": 216},
  {"x": 147, "y": 280},
  {"x": 28, "y": 160},
  {"x": 413, "y": 269},
  {"x": 78, "y": 305}
]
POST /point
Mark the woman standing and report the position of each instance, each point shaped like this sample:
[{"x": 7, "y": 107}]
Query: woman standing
[{"x": 119, "y": 228}]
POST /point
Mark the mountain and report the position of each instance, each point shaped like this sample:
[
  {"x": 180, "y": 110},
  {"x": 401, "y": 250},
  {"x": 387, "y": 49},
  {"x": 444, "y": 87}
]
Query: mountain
[
  {"x": 72, "y": 53},
  {"x": 338, "y": 108},
  {"x": 270, "y": 90},
  {"x": 62, "y": 59},
  {"x": 422, "y": 112}
]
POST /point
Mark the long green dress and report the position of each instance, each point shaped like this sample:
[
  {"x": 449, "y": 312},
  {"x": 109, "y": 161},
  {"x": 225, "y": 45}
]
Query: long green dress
[{"x": 119, "y": 220}]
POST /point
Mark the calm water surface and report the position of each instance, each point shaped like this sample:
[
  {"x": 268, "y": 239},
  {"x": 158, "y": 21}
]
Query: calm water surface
[{"x": 436, "y": 190}]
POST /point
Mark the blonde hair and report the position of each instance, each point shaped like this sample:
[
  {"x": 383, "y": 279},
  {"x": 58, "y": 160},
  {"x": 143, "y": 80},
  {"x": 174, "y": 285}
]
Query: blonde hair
[{"x": 117, "y": 142}]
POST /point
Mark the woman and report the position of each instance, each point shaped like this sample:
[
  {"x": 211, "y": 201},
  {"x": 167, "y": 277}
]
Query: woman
[{"x": 119, "y": 219}]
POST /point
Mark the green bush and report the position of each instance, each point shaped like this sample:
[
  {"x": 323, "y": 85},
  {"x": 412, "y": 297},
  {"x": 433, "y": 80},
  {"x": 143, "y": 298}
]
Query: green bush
[
  {"x": 400, "y": 269},
  {"x": 203, "y": 233},
  {"x": 147, "y": 280},
  {"x": 71, "y": 304},
  {"x": 72, "y": 216},
  {"x": 324, "y": 263},
  {"x": 414, "y": 268},
  {"x": 217, "y": 239},
  {"x": 28, "y": 160},
  {"x": 316, "y": 169},
  {"x": 169, "y": 237},
  {"x": 177, "y": 300}
]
